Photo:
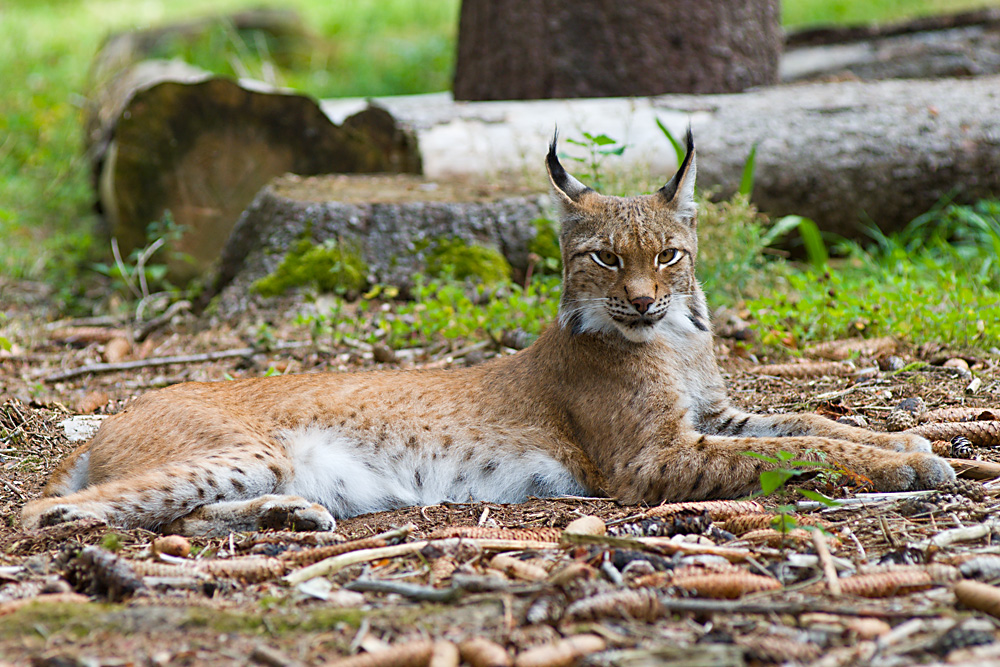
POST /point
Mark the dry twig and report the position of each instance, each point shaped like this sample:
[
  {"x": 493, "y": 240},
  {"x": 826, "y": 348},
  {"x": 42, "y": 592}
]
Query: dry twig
[{"x": 826, "y": 561}]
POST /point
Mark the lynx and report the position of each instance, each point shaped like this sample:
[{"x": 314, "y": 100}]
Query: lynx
[{"x": 620, "y": 397}]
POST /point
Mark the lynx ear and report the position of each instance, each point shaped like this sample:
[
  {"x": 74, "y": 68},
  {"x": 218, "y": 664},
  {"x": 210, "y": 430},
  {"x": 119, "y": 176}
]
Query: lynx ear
[
  {"x": 565, "y": 188},
  {"x": 679, "y": 190}
]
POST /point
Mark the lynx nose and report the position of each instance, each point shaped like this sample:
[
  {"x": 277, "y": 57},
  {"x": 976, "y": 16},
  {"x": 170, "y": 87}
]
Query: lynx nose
[{"x": 642, "y": 303}]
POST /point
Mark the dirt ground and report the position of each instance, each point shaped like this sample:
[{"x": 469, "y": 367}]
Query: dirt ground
[{"x": 700, "y": 585}]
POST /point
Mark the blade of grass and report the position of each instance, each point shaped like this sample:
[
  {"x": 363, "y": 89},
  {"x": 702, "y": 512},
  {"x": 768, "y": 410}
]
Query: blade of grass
[
  {"x": 746, "y": 179},
  {"x": 679, "y": 149}
]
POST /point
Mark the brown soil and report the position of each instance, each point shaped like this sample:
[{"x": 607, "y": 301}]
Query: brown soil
[{"x": 223, "y": 620}]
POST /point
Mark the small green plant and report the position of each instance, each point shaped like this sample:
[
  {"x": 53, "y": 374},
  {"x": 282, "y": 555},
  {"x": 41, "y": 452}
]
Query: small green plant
[
  {"x": 746, "y": 178},
  {"x": 787, "y": 467},
  {"x": 749, "y": 166},
  {"x": 679, "y": 148},
  {"x": 138, "y": 276},
  {"x": 441, "y": 311},
  {"x": 5, "y": 343},
  {"x": 809, "y": 232},
  {"x": 325, "y": 267},
  {"x": 112, "y": 542},
  {"x": 598, "y": 148}
]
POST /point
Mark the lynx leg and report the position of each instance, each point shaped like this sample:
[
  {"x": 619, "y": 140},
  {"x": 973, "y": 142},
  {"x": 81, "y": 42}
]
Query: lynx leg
[
  {"x": 717, "y": 467},
  {"x": 734, "y": 422},
  {"x": 270, "y": 511},
  {"x": 155, "y": 498}
]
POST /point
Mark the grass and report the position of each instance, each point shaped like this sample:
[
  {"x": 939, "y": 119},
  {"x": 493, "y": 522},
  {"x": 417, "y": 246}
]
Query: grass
[
  {"x": 945, "y": 288},
  {"x": 800, "y": 13}
]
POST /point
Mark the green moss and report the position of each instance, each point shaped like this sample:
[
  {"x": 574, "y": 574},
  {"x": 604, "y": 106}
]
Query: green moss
[
  {"x": 80, "y": 620},
  {"x": 546, "y": 246},
  {"x": 74, "y": 619},
  {"x": 326, "y": 267},
  {"x": 454, "y": 258}
]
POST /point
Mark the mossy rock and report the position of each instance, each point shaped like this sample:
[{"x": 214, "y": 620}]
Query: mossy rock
[
  {"x": 325, "y": 267},
  {"x": 454, "y": 258},
  {"x": 391, "y": 227}
]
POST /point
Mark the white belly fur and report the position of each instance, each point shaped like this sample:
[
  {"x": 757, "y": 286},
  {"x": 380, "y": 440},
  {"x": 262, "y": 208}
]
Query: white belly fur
[{"x": 349, "y": 477}]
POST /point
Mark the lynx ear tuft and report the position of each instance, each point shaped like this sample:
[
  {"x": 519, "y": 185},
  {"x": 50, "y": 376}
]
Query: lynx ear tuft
[
  {"x": 679, "y": 190},
  {"x": 565, "y": 188}
]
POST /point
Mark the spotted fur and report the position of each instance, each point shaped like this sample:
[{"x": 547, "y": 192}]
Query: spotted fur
[{"x": 621, "y": 397}]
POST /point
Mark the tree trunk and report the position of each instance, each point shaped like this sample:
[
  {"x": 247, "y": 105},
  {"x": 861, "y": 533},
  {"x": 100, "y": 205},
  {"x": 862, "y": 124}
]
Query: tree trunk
[
  {"x": 840, "y": 153},
  {"x": 163, "y": 136},
  {"x": 393, "y": 222},
  {"x": 537, "y": 49}
]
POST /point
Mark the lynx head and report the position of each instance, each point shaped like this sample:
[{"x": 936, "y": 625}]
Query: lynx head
[{"x": 628, "y": 262}]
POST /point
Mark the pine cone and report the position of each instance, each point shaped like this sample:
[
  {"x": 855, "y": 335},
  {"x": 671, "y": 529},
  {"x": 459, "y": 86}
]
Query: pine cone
[
  {"x": 964, "y": 487},
  {"x": 962, "y": 447},
  {"x": 900, "y": 420}
]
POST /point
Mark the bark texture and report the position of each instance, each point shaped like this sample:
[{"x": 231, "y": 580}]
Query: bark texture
[
  {"x": 164, "y": 136},
  {"x": 536, "y": 49},
  {"x": 842, "y": 153}
]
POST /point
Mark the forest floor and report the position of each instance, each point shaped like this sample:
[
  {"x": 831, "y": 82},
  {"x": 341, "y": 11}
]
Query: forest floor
[{"x": 709, "y": 584}]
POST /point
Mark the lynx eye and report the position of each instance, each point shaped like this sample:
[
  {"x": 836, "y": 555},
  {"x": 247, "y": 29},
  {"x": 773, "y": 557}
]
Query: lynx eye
[
  {"x": 606, "y": 258},
  {"x": 668, "y": 257}
]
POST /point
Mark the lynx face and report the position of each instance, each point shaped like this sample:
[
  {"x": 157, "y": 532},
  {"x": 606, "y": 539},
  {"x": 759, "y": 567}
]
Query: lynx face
[{"x": 629, "y": 262}]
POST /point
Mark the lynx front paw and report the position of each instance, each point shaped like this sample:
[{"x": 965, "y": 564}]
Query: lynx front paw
[
  {"x": 914, "y": 472},
  {"x": 296, "y": 514}
]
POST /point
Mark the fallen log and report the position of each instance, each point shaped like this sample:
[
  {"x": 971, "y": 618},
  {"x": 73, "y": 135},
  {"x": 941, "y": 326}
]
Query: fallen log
[
  {"x": 839, "y": 153},
  {"x": 166, "y": 137}
]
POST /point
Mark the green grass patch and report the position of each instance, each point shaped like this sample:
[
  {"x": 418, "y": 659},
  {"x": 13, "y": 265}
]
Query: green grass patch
[
  {"x": 440, "y": 311},
  {"x": 799, "y": 13},
  {"x": 937, "y": 280}
]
